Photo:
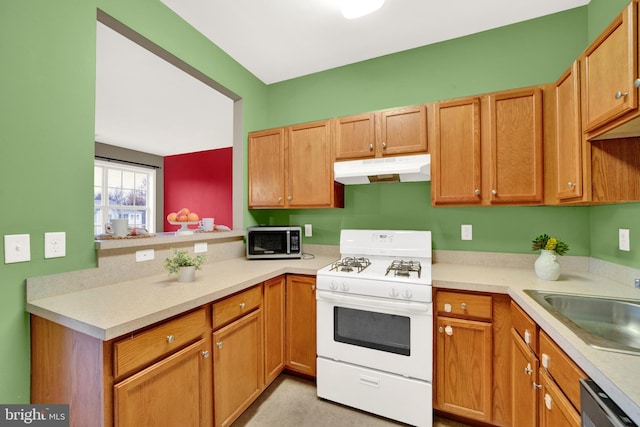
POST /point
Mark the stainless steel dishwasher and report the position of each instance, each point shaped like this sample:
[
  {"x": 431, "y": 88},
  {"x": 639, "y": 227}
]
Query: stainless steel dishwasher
[{"x": 598, "y": 410}]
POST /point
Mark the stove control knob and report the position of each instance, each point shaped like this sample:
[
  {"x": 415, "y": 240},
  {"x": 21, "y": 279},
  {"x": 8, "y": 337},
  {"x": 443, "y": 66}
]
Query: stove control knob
[
  {"x": 406, "y": 294},
  {"x": 345, "y": 287},
  {"x": 333, "y": 285},
  {"x": 393, "y": 292}
]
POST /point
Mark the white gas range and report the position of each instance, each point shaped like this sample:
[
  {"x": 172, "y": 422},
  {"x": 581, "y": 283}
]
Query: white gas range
[{"x": 375, "y": 325}]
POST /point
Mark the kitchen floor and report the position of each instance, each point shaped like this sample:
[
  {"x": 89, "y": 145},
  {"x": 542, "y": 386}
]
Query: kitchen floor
[{"x": 291, "y": 401}]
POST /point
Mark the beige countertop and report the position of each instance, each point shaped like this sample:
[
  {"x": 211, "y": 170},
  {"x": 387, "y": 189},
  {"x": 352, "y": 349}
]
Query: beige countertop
[
  {"x": 616, "y": 373},
  {"x": 112, "y": 310}
]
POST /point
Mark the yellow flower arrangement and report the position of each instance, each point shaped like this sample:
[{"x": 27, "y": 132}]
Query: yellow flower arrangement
[{"x": 544, "y": 241}]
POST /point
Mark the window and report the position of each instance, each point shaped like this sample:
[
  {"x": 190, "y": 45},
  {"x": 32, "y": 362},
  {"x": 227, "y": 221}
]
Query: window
[{"x": 123, "y": 191}]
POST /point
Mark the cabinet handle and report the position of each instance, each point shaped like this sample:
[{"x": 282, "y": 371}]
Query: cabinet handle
[
  {"x": 536, "y": 386},
  {"x": 384, "y": 145},
  {"x": 621, "y": 94},
  {"x": 494, "y": 192},
  {"x": 571, "y": 184},
  {"x": 170, "y": 339},
  {"x": 370, "y": 147},
  {"x": 279, "y": 199},
  {"x": 463, "y": 305},
  {"x": 448, "y": 330},
  {"x": 476, "y": 192},
  {"x": 528, "y": 370},
  {"x": 242, "y": 305},
  {"x": 219, "y": 344},
  {"x": 636, "y": 83},
  {"x": 290, "y": 198},
  {"x": 547, "y": 401},
  {"x": 205, "y": 354},
  {"x": 441, "y": 329},
  {"x": 313, "y": 287}
]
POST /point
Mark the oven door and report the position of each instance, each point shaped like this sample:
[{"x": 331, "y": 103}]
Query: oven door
[{"x": 391, "y": 336}]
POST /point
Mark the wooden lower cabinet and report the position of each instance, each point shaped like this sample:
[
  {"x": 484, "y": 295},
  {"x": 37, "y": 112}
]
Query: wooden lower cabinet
[
  {"x": 524, "y": 391},
  {"x": 273, "y": 303},
  {"x": 300, "y": 324},
  {"x": 237, "y": 367},
  {"x": 175, "y": 391},
  {"x": 471, "y": 377}
]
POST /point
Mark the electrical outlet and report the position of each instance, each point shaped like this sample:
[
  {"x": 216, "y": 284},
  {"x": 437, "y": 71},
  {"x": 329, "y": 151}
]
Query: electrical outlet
[
  {"x": 308, "y": 230},
  {"x": 55, "y": 244},
  {"x": 623, "y": 239},
  {"x": 200, "y": 247},
  {"x": 17, "y": 248},
  {"x": 466, "y": 232},
  {"x": 145, "y": 255}
]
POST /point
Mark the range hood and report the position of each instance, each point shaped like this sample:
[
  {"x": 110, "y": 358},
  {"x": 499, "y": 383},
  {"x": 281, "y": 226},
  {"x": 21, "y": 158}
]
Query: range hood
[{"x": 387, "y": 169}]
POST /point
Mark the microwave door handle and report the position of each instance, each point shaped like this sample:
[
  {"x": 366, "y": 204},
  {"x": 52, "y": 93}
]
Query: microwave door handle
[{"x": 288, "y": 242}]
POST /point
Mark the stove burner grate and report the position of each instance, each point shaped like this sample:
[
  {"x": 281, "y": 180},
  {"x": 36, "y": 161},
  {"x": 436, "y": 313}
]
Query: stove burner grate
[
  {"x": 404, "y": 268},
  {"x": 348, "y": 264}
]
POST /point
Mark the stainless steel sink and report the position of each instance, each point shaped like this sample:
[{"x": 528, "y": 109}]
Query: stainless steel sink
[{"x": 604, "y": 323}]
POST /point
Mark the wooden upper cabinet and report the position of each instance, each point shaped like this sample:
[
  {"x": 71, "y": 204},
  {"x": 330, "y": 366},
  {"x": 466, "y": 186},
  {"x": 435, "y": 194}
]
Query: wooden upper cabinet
[
  {"x": 403, "y": 130},
  {"x": 355, "y": 137},
  {"x": 571, "y": 150},
  {"x": 516, "y": 156},
  {"x": 456, "y": 161},
  {"x": 384, "y": 133},
  {"x": 609, "y": 71},
  {"x": 267, "y": 168},
  {"x": 292, "y": 167}
]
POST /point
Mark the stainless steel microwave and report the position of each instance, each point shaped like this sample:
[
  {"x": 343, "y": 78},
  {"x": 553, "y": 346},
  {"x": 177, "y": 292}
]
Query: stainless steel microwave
[{"x": 274, "y": 242}]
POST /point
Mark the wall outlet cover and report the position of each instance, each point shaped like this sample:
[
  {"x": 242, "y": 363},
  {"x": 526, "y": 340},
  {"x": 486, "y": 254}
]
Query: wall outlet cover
[
  {"x": 466, "y": 232},
  {"x": 55, "y": 244},
  {"x": 623, "y": 239},
  {"x": 145, "y": 255}
]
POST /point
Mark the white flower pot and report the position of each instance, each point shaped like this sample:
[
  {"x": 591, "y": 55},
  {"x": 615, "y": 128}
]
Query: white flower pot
[
  {"x": 187, "y": 274},
  {"x": 546, "y": 266}
]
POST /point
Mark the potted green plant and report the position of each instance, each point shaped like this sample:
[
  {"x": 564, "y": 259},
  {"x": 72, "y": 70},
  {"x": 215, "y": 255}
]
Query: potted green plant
[
  {"x": 546, "y": 266},
  {"x": 183, "y": 264}
]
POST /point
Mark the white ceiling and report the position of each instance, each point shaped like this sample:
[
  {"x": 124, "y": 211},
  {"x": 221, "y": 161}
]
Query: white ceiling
[
  {"x": 281, "y": 39},
  {"x": 146, "y": 104}
]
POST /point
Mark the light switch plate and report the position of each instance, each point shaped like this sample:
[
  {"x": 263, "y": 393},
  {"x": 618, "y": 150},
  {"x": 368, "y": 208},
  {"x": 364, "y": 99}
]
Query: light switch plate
[
  {"x": 466, "y": 232},
  {"x": 55, "y": 244},
  {"x": 17, "y": 248}
]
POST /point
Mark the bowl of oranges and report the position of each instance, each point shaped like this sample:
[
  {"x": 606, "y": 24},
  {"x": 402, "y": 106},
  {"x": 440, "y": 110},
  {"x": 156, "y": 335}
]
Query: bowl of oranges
[{"x": 184, "y": 217}]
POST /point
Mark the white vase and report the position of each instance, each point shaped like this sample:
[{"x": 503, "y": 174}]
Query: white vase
[
  {"x": 187, "y": 274},
  {"x": 546, "y": 266}
]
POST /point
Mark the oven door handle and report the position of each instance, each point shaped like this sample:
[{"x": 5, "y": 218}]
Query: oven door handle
[{"x": 368, "y": 302}]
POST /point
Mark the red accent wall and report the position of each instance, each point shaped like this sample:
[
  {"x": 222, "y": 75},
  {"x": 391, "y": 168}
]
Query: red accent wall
[{"x": 201, "y": 182}]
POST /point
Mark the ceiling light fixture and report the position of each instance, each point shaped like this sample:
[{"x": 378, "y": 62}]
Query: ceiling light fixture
[{"x": 352, "y": 9}]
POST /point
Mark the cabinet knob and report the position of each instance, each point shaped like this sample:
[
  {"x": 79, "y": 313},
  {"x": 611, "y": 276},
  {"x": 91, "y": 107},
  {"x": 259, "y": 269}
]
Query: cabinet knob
[
  {"x": 547, "y": 401},
  {"x": 279, "y": 199},
  {"x": 494, "y": 191},
  {"x": 290, "y": 198},
  {"x": 571, "y": 184},
  {"x": 170, "y": 339},
  {"x": 463, "y": 305},
  {"x": 448, "y": 330},
  {"x": 313, "y": 287},
  {"x": 205, "y": 354},
  {"x": 536, "y": 386},
  {"x": 476, "y": 192},
  {"x": 370, "y": 147},
  {"x": 384, "y": 145},
  {"x": 636, "y": 83},
  {"x": 621, "y": 94},
  {"x": 527, "y": 369},
  {"x": 441, "y": 329},
  {"x": 242, "y": 305},
  {"x": 219, "y": 344}
]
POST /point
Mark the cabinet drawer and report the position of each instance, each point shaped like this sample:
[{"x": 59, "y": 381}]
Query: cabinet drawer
[
  {"x": 463, "y": 304},
  {"x": 139, "y": 350},
  {"x": 235, "y": 306},
  {"x": 561, "y": 368},
  {"x": 524, "y": 326}
]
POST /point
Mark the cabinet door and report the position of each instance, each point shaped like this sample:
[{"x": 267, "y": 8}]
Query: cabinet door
[
  {"x": 569, "y": 140},
  {"x": 175, "y": 391},
  {"x": 555, "y": 408},
  {"x": 456, "y": 153},
  {"x": 403, "y": 131},
  {"x": 610, "y": 68},
  {"x": 274, "y": 309},
  {"x": 355, "y": 137},
  {"x": 524, "y": 391},
  {"x": 516, "y": 146},
  {"x": 237, "y": 367},
  {"x": 301, "y": 324},
  {"x": 310, "y": 165},
  {"x": 463, "y": 367},
  {"x": 267, "y": 168}
]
